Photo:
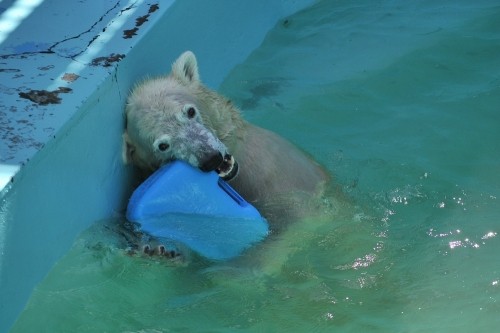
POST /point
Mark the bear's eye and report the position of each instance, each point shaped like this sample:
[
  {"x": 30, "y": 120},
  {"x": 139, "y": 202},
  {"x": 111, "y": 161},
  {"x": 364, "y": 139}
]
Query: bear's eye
[
  {"x": 191, "y": 112},
  {"x": 163, "y": 146}
]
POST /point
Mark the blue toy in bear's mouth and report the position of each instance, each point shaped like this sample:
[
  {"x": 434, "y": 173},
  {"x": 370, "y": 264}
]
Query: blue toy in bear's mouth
[{"x": 181, "y": 203}]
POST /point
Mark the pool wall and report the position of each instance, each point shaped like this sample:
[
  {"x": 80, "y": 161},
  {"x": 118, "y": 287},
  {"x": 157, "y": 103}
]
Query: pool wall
[{"x": 75, "y": 176}]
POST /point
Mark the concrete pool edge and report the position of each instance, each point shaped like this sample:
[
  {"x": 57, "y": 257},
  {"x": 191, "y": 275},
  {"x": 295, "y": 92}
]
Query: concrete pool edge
[
  {"x": 77, "y": 177},
  {"x": 48, "y": 73}
]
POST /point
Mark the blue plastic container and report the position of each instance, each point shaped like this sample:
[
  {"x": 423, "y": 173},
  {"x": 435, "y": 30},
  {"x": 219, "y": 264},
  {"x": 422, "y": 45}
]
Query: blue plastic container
[{"x": 181, "y": 203}]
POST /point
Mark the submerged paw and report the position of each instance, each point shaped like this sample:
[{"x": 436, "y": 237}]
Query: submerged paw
[{"x": 160, "y": 250}]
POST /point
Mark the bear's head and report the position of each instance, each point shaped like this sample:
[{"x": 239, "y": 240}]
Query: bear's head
[{"x": 167, "y": 119}]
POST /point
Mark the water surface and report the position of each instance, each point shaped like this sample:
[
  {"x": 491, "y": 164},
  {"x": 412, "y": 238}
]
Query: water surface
[{"x": 400, "y": 102}]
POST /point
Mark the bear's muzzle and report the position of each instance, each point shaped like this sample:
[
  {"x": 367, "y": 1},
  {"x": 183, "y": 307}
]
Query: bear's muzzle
[
  {"x": 228, "y": 169},
  {"x": 212, "y": 163},
  {"x": 226, "y": 166}
]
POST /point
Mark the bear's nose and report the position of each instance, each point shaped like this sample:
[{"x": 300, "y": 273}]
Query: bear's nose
[{"x": 212, "y": 162}]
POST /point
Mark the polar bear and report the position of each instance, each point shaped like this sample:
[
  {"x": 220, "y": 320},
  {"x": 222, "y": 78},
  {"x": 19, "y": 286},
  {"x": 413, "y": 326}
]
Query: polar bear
[{"x": 175, "y": 117}]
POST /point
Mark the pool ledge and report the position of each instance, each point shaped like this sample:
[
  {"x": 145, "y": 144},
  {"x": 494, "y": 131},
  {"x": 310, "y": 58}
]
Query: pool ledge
[{"x": 53, "y": 55}]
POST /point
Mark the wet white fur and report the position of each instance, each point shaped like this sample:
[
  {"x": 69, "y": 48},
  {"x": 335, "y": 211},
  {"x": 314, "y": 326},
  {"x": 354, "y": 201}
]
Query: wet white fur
[{"x": 271, "y": 169}]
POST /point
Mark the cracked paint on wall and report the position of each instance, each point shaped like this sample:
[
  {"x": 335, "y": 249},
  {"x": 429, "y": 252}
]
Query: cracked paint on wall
[
  {"x": 45, "y": 73},
  {"x": 44, "y": 97},
  {"x": 140, "y": 21},
  {"x": 107, "y": 61}
]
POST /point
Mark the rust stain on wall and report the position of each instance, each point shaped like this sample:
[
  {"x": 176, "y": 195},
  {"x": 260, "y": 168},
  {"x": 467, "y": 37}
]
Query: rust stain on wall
[
  {"x": 45, "y": 97},
  {"x": 140, "y": 21},
  {"x": 70, "y": 77},
  {"x": 107, "y": 61}
]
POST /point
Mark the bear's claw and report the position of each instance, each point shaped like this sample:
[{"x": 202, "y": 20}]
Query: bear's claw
[{"x": 159, "y": 250}]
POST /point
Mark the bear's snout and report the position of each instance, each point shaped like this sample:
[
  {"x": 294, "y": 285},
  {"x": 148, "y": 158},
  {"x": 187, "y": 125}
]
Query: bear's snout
[{"x": 212, "y": 163}]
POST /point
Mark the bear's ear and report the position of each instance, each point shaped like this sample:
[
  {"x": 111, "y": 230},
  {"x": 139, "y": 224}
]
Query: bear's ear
[
  {"x": 128, "y": 149},
  {"x": 185, "y": 69}
]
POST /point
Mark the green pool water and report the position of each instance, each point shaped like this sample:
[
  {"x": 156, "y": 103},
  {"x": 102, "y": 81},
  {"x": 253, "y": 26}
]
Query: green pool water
[{"x": 401, "y": 103}]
